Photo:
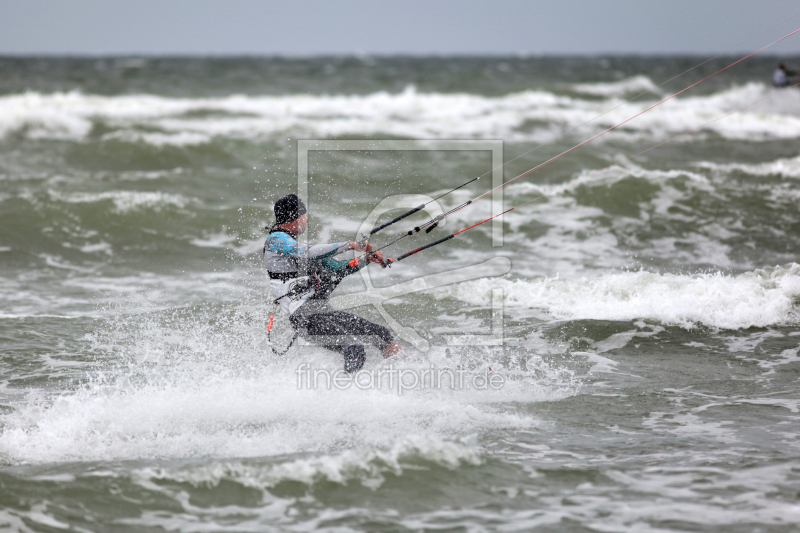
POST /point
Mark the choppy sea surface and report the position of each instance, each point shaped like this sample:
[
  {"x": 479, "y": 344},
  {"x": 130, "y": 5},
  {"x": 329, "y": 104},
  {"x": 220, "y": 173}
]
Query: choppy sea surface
[{"x": 642, "y": 324}]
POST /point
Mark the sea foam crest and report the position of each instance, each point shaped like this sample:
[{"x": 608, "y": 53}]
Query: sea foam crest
[
  {"x": 124, "y": 201},
  {"x": 365, "y": 465},
  {"x": 636, "y": 85},
  {"x": 788, "y": 167},
  {"x": 410, "y": 114},
  {"x": 754, "y": 299}
]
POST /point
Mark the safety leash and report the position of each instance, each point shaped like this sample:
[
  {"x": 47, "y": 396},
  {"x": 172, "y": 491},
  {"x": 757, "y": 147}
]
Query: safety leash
[{"x": 269, "y": 334}]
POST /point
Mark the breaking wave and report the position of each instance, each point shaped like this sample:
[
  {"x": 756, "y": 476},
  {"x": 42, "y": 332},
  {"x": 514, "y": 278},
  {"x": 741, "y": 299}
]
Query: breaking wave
[
  {"x": 760, "y": 298},
  {"x": 533, "y": 115}
]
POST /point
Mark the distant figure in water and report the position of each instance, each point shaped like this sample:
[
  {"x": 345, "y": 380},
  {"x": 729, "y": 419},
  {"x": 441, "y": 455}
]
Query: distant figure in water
[
  {"x": 781, "y": 77},
  {"x": 303, "y": 278}
]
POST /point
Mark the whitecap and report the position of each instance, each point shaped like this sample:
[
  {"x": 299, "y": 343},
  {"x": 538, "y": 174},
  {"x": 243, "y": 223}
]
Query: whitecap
[
  {"x": 755, "y": 299},
  {"x": 125, "y": 201}
]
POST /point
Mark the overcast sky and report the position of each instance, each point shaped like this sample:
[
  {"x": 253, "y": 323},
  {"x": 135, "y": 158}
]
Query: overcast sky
[{"x": 441, "y": 27}]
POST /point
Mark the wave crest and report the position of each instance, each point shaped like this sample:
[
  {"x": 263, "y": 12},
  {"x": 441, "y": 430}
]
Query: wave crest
[
  {"x": 760, "y": 298},
  {"x": 532, "y": 115}
]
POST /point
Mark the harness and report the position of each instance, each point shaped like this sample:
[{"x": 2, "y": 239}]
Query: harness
[
  {"x": 310, "y": 275},
  {"x": 282, "y": 276}
]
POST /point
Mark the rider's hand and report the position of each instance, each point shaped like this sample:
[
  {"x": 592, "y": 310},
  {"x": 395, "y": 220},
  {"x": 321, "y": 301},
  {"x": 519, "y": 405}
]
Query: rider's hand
[
  {"x": 358, "y": 247},
  {"x": 376, "y": 257}
]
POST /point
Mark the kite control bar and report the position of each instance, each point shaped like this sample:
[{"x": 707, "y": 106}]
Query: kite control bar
[{"x": 397, "y": 219}]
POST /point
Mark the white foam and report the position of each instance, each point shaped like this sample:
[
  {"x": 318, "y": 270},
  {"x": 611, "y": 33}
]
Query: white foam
[
  {"x": 223, "y": 240},
  {"x": 683, "y": 496},
  {"x": 578, "y": 236},
  {"x": 87, "y": 292},
  {"x": 125, "y": 201},
  {"x": 775, "y": 118},
  {"x": 365, "y": 465},
  {"x": 629, "y": 169},
  {"x": 225, "y": 416},
  {"x": 203, "y": 382},
  {"x": 691, "y": 425},
  {"x": 792, "y": 405},
  {"x": 785, "y": 167},
  {"x": 103, "y": 247},
  {"x": 784, "y": 358},
  {"x": 749, "y": 343},
  {"x": 44, "y": 116},
  {"x": 756, "y": 299},
  {"x": 408, "y": 114},
  {"x": 58, "y": 262},
  {"x": 636, "y": 84},
  {"x": 183, "y": 138}
]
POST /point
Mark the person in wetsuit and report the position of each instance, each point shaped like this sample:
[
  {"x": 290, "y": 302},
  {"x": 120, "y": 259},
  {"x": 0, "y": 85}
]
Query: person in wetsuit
[
  {"x": 303, "y": 278},
  {"x": 781, "y": 76}
]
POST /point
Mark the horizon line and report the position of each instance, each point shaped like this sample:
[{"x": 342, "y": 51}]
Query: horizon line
[{"x": 365, "y": 55}]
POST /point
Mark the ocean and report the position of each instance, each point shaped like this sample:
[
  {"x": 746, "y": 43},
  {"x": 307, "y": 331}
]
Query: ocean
[{"x": 621, "y": 354}]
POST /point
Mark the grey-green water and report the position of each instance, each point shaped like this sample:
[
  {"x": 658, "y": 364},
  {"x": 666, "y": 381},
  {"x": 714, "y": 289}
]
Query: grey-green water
[{"x": 643, "y": 322}]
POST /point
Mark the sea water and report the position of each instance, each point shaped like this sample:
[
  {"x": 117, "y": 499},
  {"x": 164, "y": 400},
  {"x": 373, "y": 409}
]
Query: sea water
[{"x": 638, "y": 324}]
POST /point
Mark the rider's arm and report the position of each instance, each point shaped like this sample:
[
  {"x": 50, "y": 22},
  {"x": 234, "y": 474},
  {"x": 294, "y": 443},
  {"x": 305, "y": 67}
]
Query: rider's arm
[
  {"x": 343, "y": 268},
  {"x": 283, "y": 244}
]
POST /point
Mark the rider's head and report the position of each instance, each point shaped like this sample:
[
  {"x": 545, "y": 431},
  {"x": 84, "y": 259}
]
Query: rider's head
[{"x": 290, "y": 214}]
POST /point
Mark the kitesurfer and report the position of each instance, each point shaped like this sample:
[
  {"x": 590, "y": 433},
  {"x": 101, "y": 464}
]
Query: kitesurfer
[
  {"x": 303, "y": 278},
  {"x": 780, "y": 78}
]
